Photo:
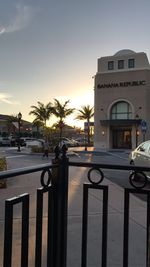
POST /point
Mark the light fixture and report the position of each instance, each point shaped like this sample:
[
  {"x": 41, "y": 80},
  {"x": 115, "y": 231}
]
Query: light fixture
[{"x": 137, "y": 116}]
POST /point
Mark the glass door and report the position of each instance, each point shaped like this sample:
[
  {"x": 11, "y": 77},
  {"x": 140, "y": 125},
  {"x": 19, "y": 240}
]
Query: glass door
[{"x": 121, "y": 138}]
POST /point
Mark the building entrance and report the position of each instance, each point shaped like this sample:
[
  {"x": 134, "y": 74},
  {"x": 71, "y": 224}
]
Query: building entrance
[{"x": 121, "y": 138}]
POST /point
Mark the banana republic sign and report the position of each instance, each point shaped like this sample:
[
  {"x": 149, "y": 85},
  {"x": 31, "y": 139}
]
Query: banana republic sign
[{"x": 121, "y": 84}]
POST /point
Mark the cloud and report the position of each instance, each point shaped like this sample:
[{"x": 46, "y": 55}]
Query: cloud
[
  {"x": 6, "y": 99},
  {"x": 20, "y": 21}
]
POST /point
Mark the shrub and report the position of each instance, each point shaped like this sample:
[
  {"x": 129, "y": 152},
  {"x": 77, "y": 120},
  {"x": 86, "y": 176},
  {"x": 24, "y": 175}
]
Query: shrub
[
  {"x": 3, "y": 167},
  {"x": 37, "y": 149}
]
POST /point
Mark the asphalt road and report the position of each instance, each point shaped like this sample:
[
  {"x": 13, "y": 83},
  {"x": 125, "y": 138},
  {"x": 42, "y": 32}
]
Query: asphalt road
[{"x": 18, "y": 160}]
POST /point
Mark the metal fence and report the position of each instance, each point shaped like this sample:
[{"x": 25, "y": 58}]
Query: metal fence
[{"x": 54, "y": 179}]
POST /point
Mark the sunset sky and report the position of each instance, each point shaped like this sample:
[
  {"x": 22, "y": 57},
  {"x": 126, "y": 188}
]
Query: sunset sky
[{"x": 49, "y": 48}]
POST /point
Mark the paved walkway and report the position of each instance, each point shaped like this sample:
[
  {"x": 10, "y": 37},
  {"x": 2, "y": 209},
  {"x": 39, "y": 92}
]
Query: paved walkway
[{"x": 137, "y": 225}]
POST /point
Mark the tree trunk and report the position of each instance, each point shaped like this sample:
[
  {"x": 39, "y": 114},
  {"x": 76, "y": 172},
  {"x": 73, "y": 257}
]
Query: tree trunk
[
  {"x": 60, "y": 133},
  {"x": 88, "y": 132}
]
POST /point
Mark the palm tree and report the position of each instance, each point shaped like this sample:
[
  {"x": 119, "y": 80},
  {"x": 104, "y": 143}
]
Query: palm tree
[
  {"x": 86, "y": 113},
  {"x": 61, "y": 111},
  {"x": 42, "y": 112},
  {"x": 37, "y": 124}
]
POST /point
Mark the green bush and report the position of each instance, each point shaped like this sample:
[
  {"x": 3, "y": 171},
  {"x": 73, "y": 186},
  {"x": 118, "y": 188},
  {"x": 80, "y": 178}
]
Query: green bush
[
  {"x": 3, "y": 167},
  {"x": 36, "y": 149}
]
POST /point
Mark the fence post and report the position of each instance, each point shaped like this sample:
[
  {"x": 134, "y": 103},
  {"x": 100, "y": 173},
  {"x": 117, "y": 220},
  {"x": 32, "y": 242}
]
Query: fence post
[{"x": 60, "y": 206}]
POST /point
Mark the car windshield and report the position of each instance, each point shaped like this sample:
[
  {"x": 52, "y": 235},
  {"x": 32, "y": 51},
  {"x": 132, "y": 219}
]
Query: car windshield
[{"x": 144, "y": 147}]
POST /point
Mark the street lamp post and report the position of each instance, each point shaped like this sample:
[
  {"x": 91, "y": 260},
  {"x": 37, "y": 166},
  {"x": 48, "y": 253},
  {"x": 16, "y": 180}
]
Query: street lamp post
[
  {"x": 143, "y": 128},
  {"x": 136, "y": 130},
  {"x": 19, "y": 123}
]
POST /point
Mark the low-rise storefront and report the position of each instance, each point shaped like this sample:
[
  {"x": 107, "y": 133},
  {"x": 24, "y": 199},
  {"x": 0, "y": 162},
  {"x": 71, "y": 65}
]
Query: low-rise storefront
[{"x": 122, "y": 94}]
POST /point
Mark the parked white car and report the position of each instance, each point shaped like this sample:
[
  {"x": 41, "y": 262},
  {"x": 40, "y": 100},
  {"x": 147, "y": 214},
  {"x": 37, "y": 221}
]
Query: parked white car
[
  {"x": 74, "y": 142},
  {"x": 34, "y": 142},
  {"x": 5, "y": 141},
  {"x": 68, "y": 142},
  {"x": 141, "y": 156},
  {"x": 82, "y": 141}
]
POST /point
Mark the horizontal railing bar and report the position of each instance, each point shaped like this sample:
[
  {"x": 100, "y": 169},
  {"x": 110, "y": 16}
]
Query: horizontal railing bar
[
  {"x": 109, "y": 166},
  {"x": 26, "y": 170},
  {"x": 17, "y": 199},
  {"x": 41, "y": 167}
]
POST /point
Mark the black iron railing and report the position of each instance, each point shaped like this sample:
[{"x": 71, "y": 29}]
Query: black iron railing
[{"x": 54, "y": 183}]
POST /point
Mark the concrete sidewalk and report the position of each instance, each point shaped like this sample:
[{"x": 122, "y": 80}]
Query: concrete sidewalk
[
  {"x": 137, "y": 228},
  {"x": 137, "y": 223}
]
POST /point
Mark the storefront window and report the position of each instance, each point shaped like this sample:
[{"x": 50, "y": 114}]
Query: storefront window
[
  {"x": 110, "y": 65},
  {"x": 121, "y": 111},
  {"x": 120, "y": 64},
  {"x": 131, "y": 63}
]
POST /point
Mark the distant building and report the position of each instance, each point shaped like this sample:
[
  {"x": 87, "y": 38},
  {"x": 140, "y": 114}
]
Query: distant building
[
  {"x": 122, "y": 95},
  {"x": 8, "y": 127}
]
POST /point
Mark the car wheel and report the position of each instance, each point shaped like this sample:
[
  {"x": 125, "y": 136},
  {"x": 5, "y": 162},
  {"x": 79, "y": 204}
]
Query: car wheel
[{"x": 135, "y": 177}]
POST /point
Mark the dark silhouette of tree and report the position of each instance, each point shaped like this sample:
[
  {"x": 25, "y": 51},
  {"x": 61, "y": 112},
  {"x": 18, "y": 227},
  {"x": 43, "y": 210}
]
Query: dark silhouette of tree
[
  {"x": 86, "y": 113},
  {"x": 41, "y": 112},
  {"x": 61, "y": 111},
  {"x": 38, "y": 124}
]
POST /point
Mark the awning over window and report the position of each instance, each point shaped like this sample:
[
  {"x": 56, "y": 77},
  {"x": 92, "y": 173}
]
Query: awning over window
[{"x": 120, "y": 122}]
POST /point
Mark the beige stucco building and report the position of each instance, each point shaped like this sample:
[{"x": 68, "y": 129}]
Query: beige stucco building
[{"x": 122, "y": 100}]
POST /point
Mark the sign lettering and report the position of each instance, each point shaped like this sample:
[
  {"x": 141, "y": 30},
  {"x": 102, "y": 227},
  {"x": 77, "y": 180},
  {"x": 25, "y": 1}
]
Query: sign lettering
[{"x": 121, "y": 84}]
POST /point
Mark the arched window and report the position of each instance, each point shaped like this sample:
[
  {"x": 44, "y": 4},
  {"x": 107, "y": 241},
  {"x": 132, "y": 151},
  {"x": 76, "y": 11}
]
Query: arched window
[{"x": 121, "y": 111}]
